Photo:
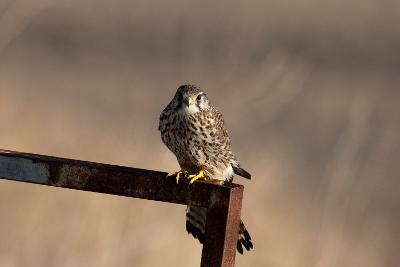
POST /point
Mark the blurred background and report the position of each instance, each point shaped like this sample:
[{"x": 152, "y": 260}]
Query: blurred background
[{"x": 309, "y": 91}]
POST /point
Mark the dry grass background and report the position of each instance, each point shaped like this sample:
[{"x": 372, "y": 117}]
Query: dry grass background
[{"x": 310, "y": 94}]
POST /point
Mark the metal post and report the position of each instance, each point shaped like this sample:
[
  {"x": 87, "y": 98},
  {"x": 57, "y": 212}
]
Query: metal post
[{"x": 222, "y": 228}]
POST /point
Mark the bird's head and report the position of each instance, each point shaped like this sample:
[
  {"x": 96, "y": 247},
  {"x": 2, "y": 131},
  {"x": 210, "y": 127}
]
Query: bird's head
[{"x": 190, "y": 99}]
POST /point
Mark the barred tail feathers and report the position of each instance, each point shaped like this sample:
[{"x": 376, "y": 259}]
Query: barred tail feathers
[
  {"x": 244, "y": 239},
  {"x": 196, "y": 222}
]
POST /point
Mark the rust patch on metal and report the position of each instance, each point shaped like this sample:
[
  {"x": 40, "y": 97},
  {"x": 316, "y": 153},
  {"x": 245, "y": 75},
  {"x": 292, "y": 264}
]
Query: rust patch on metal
[{"x": 74, "y": 176}]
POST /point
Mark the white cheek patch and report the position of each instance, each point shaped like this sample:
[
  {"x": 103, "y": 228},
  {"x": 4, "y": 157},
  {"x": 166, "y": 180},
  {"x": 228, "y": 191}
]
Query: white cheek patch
[
  {"x": 202, "y": 105},
  {"x": 191, "y": 109}
]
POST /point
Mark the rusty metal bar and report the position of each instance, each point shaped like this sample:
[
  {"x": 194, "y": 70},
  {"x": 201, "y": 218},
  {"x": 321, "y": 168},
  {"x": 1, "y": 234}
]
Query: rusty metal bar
[
  {"x": 222, "y": 227},
  {"x": 223, "y": 202}
]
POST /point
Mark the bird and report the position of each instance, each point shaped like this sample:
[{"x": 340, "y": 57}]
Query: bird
[{"x": 194, "y": 130}]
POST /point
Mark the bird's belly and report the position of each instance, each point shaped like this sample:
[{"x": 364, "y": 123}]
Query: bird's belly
[
  {"x": 194, "y": 151},
  {"x": 177, "y": 143}
]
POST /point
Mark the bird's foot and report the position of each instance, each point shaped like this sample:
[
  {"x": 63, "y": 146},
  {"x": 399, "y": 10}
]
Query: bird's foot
[
  {"x": 199, "y": 175},
  {"x": 177, "y": 174}
]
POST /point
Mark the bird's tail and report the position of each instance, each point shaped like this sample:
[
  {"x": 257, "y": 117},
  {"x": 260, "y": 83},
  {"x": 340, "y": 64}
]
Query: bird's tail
[
  {"x": 244, "y": 239},
  {"x": 242, "y": 172},
  {"x": 196, "y": 224}
]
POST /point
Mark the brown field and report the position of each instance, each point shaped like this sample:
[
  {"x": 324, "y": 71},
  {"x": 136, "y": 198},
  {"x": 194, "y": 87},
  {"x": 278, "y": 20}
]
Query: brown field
[{"x": 309, "y": 90}]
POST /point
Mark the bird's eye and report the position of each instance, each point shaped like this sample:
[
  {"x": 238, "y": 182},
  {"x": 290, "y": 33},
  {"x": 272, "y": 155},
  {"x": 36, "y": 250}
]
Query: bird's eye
[{"x": 199, "y": 97}]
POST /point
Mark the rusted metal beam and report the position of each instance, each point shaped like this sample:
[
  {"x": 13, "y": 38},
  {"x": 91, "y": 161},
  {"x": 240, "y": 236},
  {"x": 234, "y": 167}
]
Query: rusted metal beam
[
  {"x": 222, "y": 228},
  {"x": 223, "y": 202}
]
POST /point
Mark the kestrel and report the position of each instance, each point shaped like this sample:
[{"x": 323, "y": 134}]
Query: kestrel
[{"x": 193, "y": 129}]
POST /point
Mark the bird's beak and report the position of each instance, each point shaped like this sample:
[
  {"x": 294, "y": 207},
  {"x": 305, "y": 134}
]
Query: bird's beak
[{"x": 188, "y": 101}]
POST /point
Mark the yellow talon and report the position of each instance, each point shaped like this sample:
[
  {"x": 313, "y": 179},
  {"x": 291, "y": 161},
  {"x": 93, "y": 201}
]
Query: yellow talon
[
  {"x": 195, "y": 177},
  {"x": 177, "y": 175}
]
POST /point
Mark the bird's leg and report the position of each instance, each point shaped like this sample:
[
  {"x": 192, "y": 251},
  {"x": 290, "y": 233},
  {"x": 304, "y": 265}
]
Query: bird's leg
[
  {"x": 177, "y": 174},
  {"x": 199, "y": 175}
]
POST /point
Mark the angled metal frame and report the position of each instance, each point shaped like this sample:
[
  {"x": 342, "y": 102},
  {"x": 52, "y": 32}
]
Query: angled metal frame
[{"x": 223, "y": 202}]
